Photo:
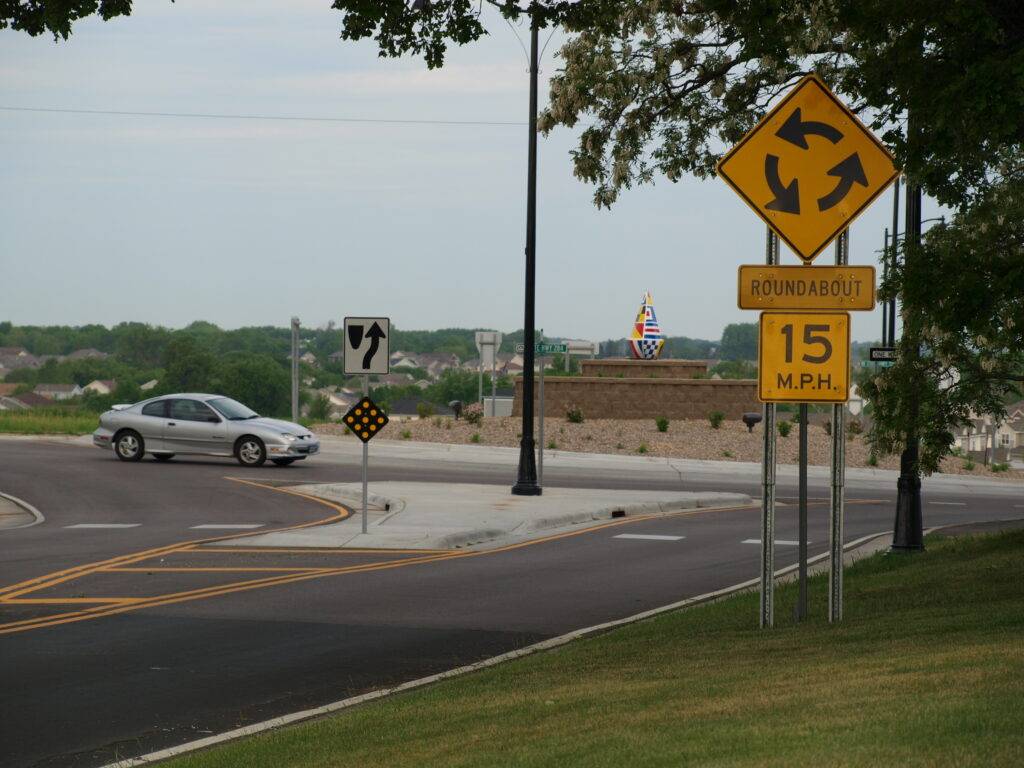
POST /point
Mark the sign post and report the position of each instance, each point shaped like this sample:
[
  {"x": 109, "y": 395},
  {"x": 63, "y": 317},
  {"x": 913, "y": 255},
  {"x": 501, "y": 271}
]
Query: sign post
[
  {"x": 807, "y": 170},
  {"x": 541, "y": 351},
  {"x": 367, "y": 348}
]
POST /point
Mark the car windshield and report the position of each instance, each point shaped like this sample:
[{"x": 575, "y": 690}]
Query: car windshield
[{"x": 232, "y": 409}]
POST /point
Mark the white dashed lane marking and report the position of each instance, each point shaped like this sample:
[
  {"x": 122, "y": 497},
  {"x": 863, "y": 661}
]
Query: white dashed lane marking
[
  {"x": 778, "y": 542},
  {"x": 232, "y": 526},
  {"x": 648, "y": 537},
  {"x": 104, "y": 525}
]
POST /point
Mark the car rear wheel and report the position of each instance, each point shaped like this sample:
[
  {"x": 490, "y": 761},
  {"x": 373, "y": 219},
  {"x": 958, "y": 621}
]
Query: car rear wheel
[
  {"x": 163, "y": 456},
  {"x": 129, "y": 446},
  {"x": 283, "y": 462},
  {"x": 250, "y": 451}
]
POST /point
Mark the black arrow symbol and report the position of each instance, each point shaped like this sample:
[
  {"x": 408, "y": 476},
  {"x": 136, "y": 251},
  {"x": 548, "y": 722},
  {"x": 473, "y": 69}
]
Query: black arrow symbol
[
  {"x": 796, "y": 131},
  {"x": 787, "y": 199},
  {"x": 849, "y": 172},
  {"x": 375, "y": 334}
]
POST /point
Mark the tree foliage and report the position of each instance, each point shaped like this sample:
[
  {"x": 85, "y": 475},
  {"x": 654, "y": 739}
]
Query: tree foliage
[{"x": 739, "y": 342}]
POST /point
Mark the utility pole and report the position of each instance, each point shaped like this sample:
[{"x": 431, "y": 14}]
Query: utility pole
[
  {"x": 295, "y": 369},
  {"x": 526, "y": 483}
]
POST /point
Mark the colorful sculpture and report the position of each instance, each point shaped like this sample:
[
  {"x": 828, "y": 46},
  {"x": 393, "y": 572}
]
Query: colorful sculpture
[{"x": 646, "y": 341}]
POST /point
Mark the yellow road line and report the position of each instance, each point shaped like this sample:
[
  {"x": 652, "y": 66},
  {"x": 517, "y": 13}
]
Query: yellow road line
[
  {"x": 71, "y": 600},
  {"x": 164, "y": 569},
  {"x": 58, "y": 577},
  {"x": 75, "y": 616}
]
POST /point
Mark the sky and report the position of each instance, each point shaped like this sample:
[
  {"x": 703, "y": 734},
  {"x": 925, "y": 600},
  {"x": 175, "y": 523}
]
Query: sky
[{"x": 241, "y": 221}]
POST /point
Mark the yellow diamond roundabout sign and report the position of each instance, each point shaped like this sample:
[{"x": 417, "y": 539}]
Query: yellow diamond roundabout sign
[{"x": 809, "y": 168}]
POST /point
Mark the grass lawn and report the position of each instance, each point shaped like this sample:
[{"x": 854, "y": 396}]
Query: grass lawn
[
  {"x": 47, "y": 421},
  {"x": 926, "y": 670}
]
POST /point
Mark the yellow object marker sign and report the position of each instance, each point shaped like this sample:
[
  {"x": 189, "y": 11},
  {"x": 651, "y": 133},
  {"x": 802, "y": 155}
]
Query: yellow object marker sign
[
  {"x": 804, "y": 357},
  {"x": 802, "y": 287}
]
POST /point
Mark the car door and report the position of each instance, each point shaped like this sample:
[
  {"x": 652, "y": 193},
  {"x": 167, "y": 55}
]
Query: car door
[
  {"x": 193, "y": 427},
  {"x": 151, "y": 422}
]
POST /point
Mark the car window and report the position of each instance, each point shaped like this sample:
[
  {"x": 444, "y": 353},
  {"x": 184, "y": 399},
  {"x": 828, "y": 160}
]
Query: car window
[
  {"x": 156, "y": 408},
  {"x": 189, "y": 410}
]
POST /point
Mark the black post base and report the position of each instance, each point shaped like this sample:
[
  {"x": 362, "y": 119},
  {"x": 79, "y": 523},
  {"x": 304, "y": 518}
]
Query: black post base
[
  {"x": 908, "y": 533},
  {"x": 526, "y": 485}
]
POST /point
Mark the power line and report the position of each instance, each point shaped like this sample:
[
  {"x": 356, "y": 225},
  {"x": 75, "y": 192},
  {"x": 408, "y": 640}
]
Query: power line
[{"x": 291, "y": 118}]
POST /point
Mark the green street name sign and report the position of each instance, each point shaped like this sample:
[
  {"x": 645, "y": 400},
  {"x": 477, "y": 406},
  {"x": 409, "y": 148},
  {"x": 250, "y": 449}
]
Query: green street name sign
[{"x": 544, "y": 349}]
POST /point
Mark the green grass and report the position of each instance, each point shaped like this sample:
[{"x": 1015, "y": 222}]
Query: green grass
[
  {"x": 48, "y": 421},
  {"x": 926, "y": 670}
]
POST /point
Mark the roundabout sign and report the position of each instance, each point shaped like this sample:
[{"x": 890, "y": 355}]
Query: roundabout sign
[{"x": 808, "y": 168}]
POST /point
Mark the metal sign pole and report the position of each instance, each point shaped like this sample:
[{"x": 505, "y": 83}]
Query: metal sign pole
[
  {"x": 480, "y": 382},
  {"x": 768, "y": 485},
  {"x": 366, "y": 452},
  {"x": 835, "y": 523},
  {"x": 494, "y": 382},
  {"x": 295, "y": 369},
  {"x": 801, "y": 603}
]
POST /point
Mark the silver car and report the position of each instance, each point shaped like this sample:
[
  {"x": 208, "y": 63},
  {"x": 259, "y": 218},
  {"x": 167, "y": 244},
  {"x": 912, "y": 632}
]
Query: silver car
[{"x": 201, "y": 424}]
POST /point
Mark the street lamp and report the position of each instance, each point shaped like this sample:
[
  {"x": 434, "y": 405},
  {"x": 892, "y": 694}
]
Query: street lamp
[{"x": 526, "y": 480}]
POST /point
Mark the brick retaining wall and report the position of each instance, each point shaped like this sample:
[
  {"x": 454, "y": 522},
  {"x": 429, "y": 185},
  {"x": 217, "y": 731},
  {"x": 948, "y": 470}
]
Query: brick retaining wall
[
  {"x": 644, "y": 369},
  {"x": 633, "y": 398}
]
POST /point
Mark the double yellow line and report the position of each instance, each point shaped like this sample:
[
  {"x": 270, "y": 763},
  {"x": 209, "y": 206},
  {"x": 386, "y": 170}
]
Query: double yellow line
[{"x": 109, "y": 606}]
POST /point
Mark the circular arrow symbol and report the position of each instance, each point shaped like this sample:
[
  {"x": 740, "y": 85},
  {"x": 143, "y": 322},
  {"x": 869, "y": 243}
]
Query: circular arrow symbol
[{"x": 795, "y": 130}]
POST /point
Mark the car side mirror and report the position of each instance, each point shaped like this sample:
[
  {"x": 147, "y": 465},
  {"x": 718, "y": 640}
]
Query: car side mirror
[{"x": 213, "y": 419}]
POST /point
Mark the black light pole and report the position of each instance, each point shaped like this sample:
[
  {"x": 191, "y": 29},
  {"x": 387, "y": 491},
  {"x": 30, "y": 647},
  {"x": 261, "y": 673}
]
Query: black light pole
[
  {"x": 908, "y": 533},
  {"x": 526, "y": 484}
]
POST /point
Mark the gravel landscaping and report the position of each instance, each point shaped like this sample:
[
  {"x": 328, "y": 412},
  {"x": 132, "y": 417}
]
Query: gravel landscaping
[{"x": 684, "y": 439}]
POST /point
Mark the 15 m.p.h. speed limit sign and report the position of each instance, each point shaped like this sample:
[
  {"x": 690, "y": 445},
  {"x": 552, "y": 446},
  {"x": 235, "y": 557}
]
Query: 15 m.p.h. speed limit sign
[{"x": 804, "y": 357}]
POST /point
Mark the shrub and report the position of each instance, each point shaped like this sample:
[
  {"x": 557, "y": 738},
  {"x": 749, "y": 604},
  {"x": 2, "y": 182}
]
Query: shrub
[
  {"x": 716, "y": 418},
  {"x": 475, "y": 437},
  {"x": 447, "y": 423},
  {"x": 872, "y": 460},
  {"x": 552, "y": 445},
  {"x": 473, "y": 414},
  {"x": 406, "y": 434},
  {"x": 424, "y": 410},
  {"x": 855, "y": 427},
  {"x": 727, "y": 454},
  {"x": 619, "y": 446},
  {"x": 969, "y": 465},
  {"x": 827, "y": 426},
  {"x": 999, "y": 467},
  {"x": 574, "y": 415},
  {"x": 642, "y": 448},
  {"x": 662, "y": 424},
  {"x": 320, "y": 408},
  {"x": 784, "y": 428}
]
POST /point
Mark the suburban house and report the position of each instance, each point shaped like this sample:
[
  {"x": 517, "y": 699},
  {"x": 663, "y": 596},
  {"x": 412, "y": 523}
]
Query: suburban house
[
  {"x": 87, "y": 354},
  {"x": 58, "y": 391},
  {"x": 18, "y": 358},
  {"x": 25, "y": 401},
  {"x": 101, "y": 386},
  {"x": 13, "y": 351},
  {"x": 983, "y": 433},
  {"x": 339, "y": 401},
  {"x": 6, "y": 390},
  {"x": 395, "y": 380},
  {"x": 336, "y": 357}
]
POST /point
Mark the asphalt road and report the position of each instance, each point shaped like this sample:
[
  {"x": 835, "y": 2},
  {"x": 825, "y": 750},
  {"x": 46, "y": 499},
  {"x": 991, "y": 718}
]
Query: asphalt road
[{"x": 104, "y": 655}]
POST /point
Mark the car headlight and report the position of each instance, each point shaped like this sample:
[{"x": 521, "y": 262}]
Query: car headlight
[{"x": 288, "y": 437}]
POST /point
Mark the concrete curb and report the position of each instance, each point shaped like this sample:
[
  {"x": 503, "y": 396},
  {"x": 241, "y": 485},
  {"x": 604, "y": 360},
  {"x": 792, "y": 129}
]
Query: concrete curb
[
  {"x": 36, "y": 517},
  {"x": 544, "y": 645}
]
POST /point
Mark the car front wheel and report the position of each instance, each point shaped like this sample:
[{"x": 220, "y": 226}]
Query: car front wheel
[
  {"x": 251, "y": 452},
  {"x": 129, "y": 446}
]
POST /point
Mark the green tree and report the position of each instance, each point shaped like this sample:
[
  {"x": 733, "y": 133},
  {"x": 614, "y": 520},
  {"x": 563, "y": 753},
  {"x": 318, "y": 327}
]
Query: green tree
[
  {"x": 739, "y": 342},
  {"x": 454, "y": 384},
  {"x": 259, "y": 381},
  {"x": 188, "y": 367}
]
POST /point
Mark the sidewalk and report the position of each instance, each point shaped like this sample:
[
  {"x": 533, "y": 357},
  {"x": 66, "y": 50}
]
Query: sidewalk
[{"x": 431, "y": 516}]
